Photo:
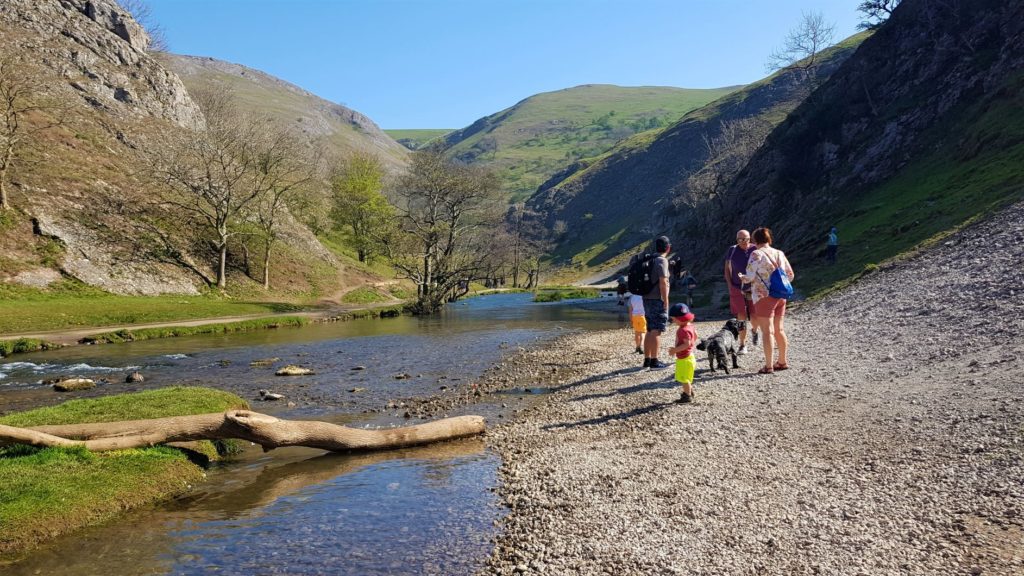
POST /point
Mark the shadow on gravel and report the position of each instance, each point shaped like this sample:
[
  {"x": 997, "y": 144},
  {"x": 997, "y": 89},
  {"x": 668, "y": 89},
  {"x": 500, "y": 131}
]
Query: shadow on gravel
[
  {"x": 609, "y": 417},
  {"x": 594, "y": 378},
  {"x": 663, "y": 383}
]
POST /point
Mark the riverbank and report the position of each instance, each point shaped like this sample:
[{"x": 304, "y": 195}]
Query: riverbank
[
  {"x": 894, "y": 444},
  {"x": 53, "y": 491}
]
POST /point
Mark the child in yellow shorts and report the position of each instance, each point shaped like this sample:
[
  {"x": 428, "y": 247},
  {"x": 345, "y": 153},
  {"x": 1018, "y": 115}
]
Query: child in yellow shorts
[
  {"x": 639, "y": 321},
  {"x": 686, "y": 339}
]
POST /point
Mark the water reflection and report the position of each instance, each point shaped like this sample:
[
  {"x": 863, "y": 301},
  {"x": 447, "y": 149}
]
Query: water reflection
[{"x": 415, "y": 511}]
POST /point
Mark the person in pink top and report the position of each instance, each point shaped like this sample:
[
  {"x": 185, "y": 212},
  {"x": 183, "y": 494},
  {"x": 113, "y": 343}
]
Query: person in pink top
[
  {"x": 768, "y": 312},
  {"x": 686, "y": 339}
]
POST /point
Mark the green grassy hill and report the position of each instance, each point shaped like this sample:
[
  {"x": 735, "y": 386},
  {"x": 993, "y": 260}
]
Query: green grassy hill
[
  {"x": 623, "y": 197},
  {"x": 342, "y": 129},
  {"x": 415, "y": 138},
  {"x": 531, "y": 141}
]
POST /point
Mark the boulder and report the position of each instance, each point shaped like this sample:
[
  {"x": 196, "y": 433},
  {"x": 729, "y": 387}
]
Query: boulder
[
  {"x": 134, "y": 377},
  {"x": 292, "y": 370},
  {"x": 74, "y": 384},
  {"x": 268, "y": 396}
]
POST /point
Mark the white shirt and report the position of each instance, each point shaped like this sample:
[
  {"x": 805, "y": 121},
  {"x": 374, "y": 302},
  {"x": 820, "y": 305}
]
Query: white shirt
[{"x": 636, "y": 305}]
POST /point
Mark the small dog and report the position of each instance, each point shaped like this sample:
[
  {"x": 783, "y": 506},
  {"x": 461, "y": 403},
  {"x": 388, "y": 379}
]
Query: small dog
[{"x": 722, "y": 343}]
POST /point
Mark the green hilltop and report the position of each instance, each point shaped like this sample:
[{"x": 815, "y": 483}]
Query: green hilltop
[
  {"x": 529, "y": 142},
  {"x": 416, "y": 138}
]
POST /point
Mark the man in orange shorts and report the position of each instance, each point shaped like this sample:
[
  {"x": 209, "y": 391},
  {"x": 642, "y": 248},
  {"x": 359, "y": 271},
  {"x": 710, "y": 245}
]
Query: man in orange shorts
[{"x": 739, "y": 295}]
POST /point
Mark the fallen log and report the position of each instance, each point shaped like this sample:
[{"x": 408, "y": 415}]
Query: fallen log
[{"x": 267, "y": 431}]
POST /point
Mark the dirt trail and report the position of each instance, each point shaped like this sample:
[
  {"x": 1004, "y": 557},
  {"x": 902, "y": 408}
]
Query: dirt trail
[
  {"x": 894, "y": 444},
  {"x": 73, "y": 336}
]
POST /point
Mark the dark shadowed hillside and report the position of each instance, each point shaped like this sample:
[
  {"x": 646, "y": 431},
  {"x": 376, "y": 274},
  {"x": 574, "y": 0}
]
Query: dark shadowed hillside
[
  {"x": 614, "y": 202},
  {"x": 921, "y": 131}
]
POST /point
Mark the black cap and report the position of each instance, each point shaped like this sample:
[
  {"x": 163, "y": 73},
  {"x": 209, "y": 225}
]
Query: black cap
[{"x": 661, "y": 244}]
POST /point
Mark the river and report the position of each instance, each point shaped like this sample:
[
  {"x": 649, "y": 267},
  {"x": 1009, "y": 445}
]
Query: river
[{"x": 431, "y": 510}]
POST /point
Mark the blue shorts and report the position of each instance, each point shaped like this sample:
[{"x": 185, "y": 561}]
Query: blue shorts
[{"x": 656, "y": 315}]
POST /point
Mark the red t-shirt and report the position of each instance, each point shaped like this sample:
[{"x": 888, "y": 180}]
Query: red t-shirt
[{"x": 681, "y": 335}]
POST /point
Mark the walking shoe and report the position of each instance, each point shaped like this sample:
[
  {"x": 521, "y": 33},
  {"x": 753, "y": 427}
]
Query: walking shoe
[
  {"x": 657, "y": 364},
  {"x": 684, "y": 398},
  {"x": 742, "y": 350},
  {"x": 647, "y": 362},
  {"x": 639, "y": 350},
  {"x": 754, "y": 338}
]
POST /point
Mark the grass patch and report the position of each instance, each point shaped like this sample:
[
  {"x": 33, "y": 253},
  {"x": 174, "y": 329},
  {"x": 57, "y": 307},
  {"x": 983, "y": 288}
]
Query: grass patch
[
  {"x": 566, "y": 294},
  {"x": 363, "y": 295},
  {"x": 70, "y": 304},
  {"x": 128, "y": 335},
  {"x": 23, "y": 345},
  {"x": 49, "y": 492},
  {"x": 377, "y": 312}
]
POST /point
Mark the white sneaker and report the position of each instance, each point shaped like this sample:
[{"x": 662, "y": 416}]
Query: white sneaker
[{"x": 742, "y": 350}]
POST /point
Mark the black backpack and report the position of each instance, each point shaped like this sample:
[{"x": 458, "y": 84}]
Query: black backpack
[{"x": 640, "y": 279}]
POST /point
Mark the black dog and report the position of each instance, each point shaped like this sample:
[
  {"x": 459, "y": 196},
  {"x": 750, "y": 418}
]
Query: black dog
[{"x": 722, "y": 343}]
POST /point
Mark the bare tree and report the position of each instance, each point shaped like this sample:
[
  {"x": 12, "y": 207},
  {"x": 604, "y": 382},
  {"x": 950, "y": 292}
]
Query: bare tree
[
  {"x": 447, "y": 216},
  {"x": 213, "y": 174},
  {"x": 727, "y": 154},
  {"x": 875, "y": 12},
  {"x": 143, "y": 14},
  {"x": 25, "y": 112},
  {"x": 283, "y": 169},
  {"x": 801, "y": 51}
]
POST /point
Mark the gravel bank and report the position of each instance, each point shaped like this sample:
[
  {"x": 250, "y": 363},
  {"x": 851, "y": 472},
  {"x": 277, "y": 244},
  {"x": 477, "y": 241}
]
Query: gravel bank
[{"x": 895, "y": 444}]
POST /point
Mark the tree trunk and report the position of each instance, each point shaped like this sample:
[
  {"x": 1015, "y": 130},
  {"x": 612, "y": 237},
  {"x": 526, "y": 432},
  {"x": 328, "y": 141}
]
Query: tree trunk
[
  {"x": 266, "y": 267},
  {"x": 222, "y": 266},
  {"x": 362, "y": 255},
  {"x": 267, "y": 431},
  {"x": 5, "y": 203}
]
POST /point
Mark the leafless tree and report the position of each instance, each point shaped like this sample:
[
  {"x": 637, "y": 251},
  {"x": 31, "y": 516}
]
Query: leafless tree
[
  {"x": 213, "y": 174},
  {"x": 727, "y": 154},
  {"x": 447, "y": 216},
  {"x": 283, "y": 169},
  {"x": 801, "y": 51},
  {"x": 143, "y": 14},
  {"x": 25, "y": 112},
  {"x": 875, "y": 12}
]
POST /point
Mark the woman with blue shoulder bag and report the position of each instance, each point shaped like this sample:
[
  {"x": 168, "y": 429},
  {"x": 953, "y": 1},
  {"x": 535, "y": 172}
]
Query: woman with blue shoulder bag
[{"x": 769, "y": 275}]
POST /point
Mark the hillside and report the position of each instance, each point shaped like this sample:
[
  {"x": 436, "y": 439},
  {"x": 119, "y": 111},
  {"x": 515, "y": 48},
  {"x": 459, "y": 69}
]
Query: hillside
[
  {"x": 83, "y": 210},
  {"x": 342, "y": 129},
  {"x": 919, "y": 133},
  {"x": 415, "y": 138},
  {"x": 530, "y": 141},
  {"x": 614, "y": 202}
]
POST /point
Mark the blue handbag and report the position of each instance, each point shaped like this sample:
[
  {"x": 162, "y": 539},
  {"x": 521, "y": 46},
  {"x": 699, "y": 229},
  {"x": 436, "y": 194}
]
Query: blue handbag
[{"x": 778, "y": 283}]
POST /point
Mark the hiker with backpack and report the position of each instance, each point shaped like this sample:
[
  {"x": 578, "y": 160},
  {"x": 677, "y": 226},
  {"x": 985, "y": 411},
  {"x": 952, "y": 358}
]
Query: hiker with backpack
[
  {"x": 649, "y": 277},
  {"x": 769, "y": 275}
]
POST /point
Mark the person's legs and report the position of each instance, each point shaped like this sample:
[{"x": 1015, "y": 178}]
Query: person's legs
[
  {"x": 651, "y": 344},
  {"x": 748, "y": 305},
  {"x": 685, "y": 367},
  {"x": 780, "y": 334},
  {"x": 738, "y": 307},
  {"x": 764, "y": 311}
]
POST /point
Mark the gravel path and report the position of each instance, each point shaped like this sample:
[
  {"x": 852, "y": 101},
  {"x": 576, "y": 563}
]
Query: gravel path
[{"x": 895, "y": 444}]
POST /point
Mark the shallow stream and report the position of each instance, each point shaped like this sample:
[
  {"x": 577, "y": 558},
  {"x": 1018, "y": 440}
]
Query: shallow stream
[{"x": 431, "y": 510}]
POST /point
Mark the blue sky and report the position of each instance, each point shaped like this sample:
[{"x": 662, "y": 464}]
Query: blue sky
[{"x": 445, "y": 63}]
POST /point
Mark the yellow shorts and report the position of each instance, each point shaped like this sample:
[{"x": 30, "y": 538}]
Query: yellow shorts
[
  {"x": 685, "y": 368},
  {"x": 639, "y": 323}
]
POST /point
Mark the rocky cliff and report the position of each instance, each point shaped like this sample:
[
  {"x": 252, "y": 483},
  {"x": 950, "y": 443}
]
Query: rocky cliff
[
  {"x": 920, "y": 131},
  {"x": 81, "y": 205}
]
